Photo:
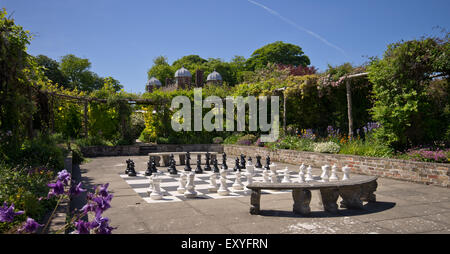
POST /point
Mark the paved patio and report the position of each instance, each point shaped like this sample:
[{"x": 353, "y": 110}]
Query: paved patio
[{"x": 401, "y": 207}]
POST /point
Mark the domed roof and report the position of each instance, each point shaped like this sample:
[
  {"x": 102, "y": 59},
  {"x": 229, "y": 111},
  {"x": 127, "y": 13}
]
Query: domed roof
[
  {"x": 154, "y": 82},
  {"x": 214, "y": 76},
  {"x": 182, "y": 72}
]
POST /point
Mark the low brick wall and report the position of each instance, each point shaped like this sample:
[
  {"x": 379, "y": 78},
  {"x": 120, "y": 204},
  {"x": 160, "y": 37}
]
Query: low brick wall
[{"x": 413, "y": 171}]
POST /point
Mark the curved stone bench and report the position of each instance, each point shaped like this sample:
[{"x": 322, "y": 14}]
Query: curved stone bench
[
  {"x": 353, "y": 192},
  {"x": 181, "y": 155}
]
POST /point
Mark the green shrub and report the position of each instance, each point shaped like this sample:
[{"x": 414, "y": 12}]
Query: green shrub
[
  {"x": 246, "y": 140},
  {"x": 326, "y": 147},
  {"x": 93, "y": 141},
  {"x": 232, "y": 139},
  {"x": 217, "y": 140},
  {"x": 41, "y": 151}
]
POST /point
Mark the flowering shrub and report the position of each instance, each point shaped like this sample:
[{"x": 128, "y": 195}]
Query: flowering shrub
[
  {"x": 427, "y": 154},
  {"x": 217, "y": 140},
  {"x": 246, "y": 140},
  {"x": 326, "y": 147}
]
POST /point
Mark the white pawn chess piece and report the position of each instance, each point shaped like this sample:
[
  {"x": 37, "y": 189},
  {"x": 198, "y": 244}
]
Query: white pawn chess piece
[
  {"x": 249, "y": 181},
  {"x": 150, "y": 188},
  {"x": 156, "y": 193},
  {"x": 286, "y": 176},
  {"x": 250, "y": 168},
  {"x": 190, "y": 186},
  {"x": 325, "y": 175},
  {"x": 213, "y": 184},
  {"x": 273, "y": 177},
  {"x": 346, "y": 170},
  {"x": 182, "y": 183},
  {"x": 301, "y": 174},
  {"x": 223, "y": 189},
  {"x": 266, "y": 176},
  {"x": 309, "y": 176},
  {"x": 333, "y": 176},
  {"x": 237, "y": 185},
  {"x": 273, "y": 167}
]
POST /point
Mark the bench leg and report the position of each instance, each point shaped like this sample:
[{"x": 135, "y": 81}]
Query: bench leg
[
  {"x": 302, "y": 198},
  {"x": 351, "y": 197},
  {"x": 182, "y": 158},
  {"x": 255, "y": 200},
  {"x": 368, "y": 190},
  {"x": 329, "y": 198},
  {"x": 166, "y": 160}
]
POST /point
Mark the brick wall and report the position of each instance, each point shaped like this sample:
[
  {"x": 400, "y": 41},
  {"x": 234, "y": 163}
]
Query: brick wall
[{"x": 413, "y": 171}]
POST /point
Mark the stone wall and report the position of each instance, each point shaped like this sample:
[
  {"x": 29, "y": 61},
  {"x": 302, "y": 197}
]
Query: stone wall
[
  {"x": 413, "y": 171},
  {"x": 144, "y": 149}
]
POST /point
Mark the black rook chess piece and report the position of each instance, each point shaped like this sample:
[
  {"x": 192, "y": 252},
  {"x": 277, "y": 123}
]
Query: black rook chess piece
[
  {"x": 198, "y": 169},
  {"x": 188, "y": 162},
  {"x": 267, "y": 167},
  {"x": 224, "y": 161},
  {"x": 258, "y": 162},
  {"x": 236, "y": 165},
  {"x": 207, "y": 166},
  {"x": 131, "y": 171}
]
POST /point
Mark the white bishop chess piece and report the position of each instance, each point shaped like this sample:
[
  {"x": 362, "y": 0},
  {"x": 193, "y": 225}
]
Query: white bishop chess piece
[
  {"x": 309, "y": 176},
  {"x": 286, "y": 176},
  {"x": 333, "y": 176},
  {"x": 182, "y": 183},
  {"x": 301, "y": 174},
  {"x": 325, "y": 173},
  {"x": 346, "y": 170},
  {"x": 156, "y": 192},
  {"x": 190, "y": 186},
  {"x": 223, "y": 189}
]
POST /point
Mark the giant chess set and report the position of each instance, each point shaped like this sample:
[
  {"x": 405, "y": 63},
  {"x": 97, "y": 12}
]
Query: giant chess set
[{"x": 214, "y": 182}]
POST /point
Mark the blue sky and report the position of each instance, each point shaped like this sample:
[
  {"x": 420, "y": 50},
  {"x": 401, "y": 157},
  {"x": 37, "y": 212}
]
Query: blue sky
[{"x": 121, "y": 38}]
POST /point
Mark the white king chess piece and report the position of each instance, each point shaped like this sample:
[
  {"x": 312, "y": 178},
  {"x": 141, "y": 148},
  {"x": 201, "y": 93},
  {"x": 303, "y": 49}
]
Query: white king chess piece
[
  {"x": 156, "y": 193},
  {"x": 301, "y": 174},
  {"x": 213, "y": 184},
  {"x": 325, "y": 173},
  {"x": 237, "y": 185},
  {"x": 223, "y": 189},
  {"x": 333, "y": 176},
  {"x": 309, "y": 176},
  {"x": 182, "y": 183},
  {"x": 190, "y": 186},
  {"x": 346, "y": 170},
  {"x": 286, "y": 176}
]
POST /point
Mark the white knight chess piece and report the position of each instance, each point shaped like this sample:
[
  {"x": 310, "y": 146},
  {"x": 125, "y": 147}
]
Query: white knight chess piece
[
  {"x": 213, "y": 184},
  {"x": 190, "y": 186},
  {"x": 346, "y": 170},
  {"x": 223, "y": 189},
  {"x": 309, "y": 176},
  {"x": 156, "y": 193},
  {"x": 333, "y": 176},
  {"x": 325, "y": 173},
  {"x": 301, "y": 174},
  {"x": 182, "y": 183}
]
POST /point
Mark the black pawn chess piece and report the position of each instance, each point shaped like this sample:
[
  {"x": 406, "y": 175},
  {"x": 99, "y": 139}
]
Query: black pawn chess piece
[
  {"x": 224, "y": 161},
  {"x": 188, "y": 162},
  {"x": 170, "y": 162},
  {"x": 215, "y": 166},
  {"x": 236, "y": 165},
  {"x": 153, "y": 165},
  {"x": 198, "y": 169},
  {"x": 149, "y": 172},
  {"x": 207, "y": 165},
  {"x": 258, "y": 162},
  {"x": 172, "y": 167},
  {"x": 128, "y": 166},
  {"x": 267, "y": 167},
  {"x": 131, "y": 171},
  {"x": 242, "y": 161}
]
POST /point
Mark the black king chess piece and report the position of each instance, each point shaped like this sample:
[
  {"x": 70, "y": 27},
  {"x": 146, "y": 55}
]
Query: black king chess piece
[
  {"x": 236, "y": 165},
  {"x": 224, "y": 161},
  {"x": 208, "y": 158},
  {"x": 149, "y": 172},
  {"x": 267, "y": 166},
  {"x": 242, "y": 162},
  {"x": 188, "y": 162},
  {"x": 198, "y": 169},
  {"x": 258, "y": 162},
  {"x": 131, "y": 171}
]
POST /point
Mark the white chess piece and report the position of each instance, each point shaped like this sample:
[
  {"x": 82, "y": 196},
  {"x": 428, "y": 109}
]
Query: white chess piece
[
  {"x": 346, "y": 170},
  {"x": 190, "y": 186},
  {"x": 273, "y": 167},
  {"x": 325, "y": 175},
  {"x": 333, "y": 176},
  {"x": 266, "y": 176},
  {"x": 237, "y": 185},
  {"x": 309, "y": 176},
  {"x": 156, "y": 193},
  {"x": 249, "y": 181},
  {"x": 223, "y": 189},
  {"x": 273, "y": 177},
  {"x": 182, "y": 183},
  {"x": 301, "y": 174},
  {"x": 250, "y": 168},
  {"x": 286, "y": 176},
  {"x": 150, "y": 188},
  {"x": 213, "y": 184}
]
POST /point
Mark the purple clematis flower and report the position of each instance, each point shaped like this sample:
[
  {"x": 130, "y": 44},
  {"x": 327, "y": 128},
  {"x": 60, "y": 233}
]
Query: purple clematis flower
[
  {"x": 76, "y": 189},
  {"x": 103, "y": 190},
  {"x": 7, "y": 214},
  {"x": 83, "y": 227},
  {"x": 30, "y": 226},
  {"x": 102, "y": 203},
  {"x": 56, "y": 189},
  {"x": 64, "y": 176},
  {"x": 101, "y": 226}
]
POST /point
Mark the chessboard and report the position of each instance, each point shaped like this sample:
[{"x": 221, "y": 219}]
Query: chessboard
[{"x": 169, "y": 184}]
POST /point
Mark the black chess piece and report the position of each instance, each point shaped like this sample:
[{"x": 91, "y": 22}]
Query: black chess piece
[
  {"x": 172, "y": 167},
  {"x": 258, "y": 162},
  {"x": 267, "y": 166},
  {"x": 215, "y": 166},
  {"x": 170, "y": 162},
  {"x": 250, "y": 159},
  {"x": 128, "y": 166},
  {"x": 131, "y": 171},
  {"x": 207, "y": 165},
  {"x": 224, "y": 161},
  {"x": 198, "y": 169},
  {"x": 153, "y": 165},
  {"x": 188, "y": 162},
  {"x": 148, "y": 172},
  {"x": 242, "y": 161},
  {"x": 236, "y": 165}
]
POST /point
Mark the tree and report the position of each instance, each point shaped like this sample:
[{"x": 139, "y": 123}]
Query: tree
[
  {"x": 79, "y": 76},
  {"x": 279, "y": 53},
  {"x": 52, "y": 71},
  {"x": 161, "y": 70}
]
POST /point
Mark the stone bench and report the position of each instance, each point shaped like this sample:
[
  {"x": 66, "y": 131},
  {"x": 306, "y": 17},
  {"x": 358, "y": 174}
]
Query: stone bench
[
  {"x": 353, "y": 192},
  {"x": 181, "y": 155}
]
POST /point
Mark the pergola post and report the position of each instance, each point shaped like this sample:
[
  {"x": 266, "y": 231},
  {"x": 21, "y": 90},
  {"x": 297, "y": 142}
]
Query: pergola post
[
  {"x": 349, "y": 108},
  {"x": 284, "y": 112},
  {"x": 86, "y": 118}
]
